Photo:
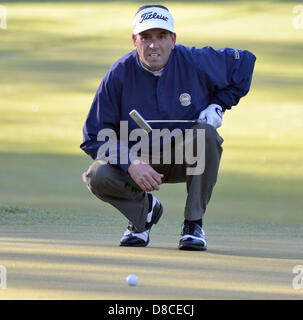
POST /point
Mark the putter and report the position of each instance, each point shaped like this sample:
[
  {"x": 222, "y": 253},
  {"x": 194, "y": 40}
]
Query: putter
[{"x": 144, "y": 124}]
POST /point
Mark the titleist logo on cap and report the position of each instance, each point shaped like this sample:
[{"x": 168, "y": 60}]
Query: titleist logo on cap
[
  {"x": 152, "y": 15},
  {"x": 153, "y": 18}
]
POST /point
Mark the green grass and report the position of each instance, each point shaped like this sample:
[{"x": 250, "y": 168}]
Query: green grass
[{"x": 53, "y": 56}]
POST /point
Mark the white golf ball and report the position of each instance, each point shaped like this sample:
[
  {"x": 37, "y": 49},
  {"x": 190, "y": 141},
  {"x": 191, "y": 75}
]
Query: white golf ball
[{"x": 132, "y": 280}]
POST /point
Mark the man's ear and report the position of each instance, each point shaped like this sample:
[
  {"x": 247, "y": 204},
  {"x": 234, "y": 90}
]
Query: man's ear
[
  {"x": 174, "y": 38},
  {"x": 134, "y": 40}
]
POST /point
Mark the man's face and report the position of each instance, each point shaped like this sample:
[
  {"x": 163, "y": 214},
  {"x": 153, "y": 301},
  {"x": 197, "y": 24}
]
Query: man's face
[{"x": 154, "y": 47}]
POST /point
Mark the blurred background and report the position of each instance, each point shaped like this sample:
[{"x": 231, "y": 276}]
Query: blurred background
[{"x": 53, "y": 56}]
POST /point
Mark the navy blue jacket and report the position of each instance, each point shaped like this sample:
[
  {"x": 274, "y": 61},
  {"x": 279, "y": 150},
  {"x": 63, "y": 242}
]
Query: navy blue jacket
[{"x": 207, "y": 75}]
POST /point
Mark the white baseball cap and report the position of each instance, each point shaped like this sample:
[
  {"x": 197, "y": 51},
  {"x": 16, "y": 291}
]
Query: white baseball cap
[{"x": 153, "y": 17}]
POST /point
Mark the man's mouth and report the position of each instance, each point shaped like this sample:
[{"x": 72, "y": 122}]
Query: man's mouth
[{"x": 154, "y": 55}]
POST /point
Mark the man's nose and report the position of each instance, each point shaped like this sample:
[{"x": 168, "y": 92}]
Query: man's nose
[{"x": 154, "y": 44}]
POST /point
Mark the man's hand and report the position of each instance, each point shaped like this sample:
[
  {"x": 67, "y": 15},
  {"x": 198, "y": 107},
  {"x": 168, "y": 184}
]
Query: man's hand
[
  {"x": 212, "y": 115},
  {"x": 145, "y": 176}
]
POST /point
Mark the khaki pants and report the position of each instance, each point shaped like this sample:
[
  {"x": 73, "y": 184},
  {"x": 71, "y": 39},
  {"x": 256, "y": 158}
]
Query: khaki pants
[{"x": 111, "y": 184}]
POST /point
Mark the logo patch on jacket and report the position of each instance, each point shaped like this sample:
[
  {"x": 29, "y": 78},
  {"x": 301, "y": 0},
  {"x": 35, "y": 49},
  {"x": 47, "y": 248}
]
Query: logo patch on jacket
[{"x": 185, "y": 99}]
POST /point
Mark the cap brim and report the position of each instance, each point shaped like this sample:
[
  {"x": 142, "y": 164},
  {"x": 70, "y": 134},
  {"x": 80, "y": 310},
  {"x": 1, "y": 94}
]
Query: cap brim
[{"x": 152, "y": 25}]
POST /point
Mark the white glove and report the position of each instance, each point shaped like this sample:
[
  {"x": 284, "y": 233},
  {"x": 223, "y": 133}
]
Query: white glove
[{"x": 212, "y": 115}]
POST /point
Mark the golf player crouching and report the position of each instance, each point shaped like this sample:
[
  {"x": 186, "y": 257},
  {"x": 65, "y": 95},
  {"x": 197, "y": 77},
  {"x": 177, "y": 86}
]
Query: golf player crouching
[{"x": 162, "y": 81}]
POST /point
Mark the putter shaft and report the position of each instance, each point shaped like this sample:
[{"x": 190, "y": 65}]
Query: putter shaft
[{"x": 155, "y": 121}]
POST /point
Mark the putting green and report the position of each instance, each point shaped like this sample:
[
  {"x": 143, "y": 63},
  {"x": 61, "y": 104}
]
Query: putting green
[{"x": 67, "y": 261}]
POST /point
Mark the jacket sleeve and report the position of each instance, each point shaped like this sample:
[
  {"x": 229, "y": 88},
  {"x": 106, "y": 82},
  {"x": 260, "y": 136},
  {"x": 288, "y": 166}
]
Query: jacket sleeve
[
  {"x": 228, "y": 73},
  {"x": 104, "y": 114}
]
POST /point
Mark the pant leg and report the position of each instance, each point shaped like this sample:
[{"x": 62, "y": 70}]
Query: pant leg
[
  {"x": 199, "y": 187},
  {"x": 111, "y": 184}
]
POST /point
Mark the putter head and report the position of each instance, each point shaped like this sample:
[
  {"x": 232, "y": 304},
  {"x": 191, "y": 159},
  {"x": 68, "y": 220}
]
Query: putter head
[{"x": 135, "y": 115}]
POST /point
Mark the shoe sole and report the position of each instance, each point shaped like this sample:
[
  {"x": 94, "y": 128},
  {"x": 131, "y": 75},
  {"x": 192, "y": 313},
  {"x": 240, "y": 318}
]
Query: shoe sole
[
  {"x": 135, "y": 245},
  {"x": 192, "y": 247}
]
